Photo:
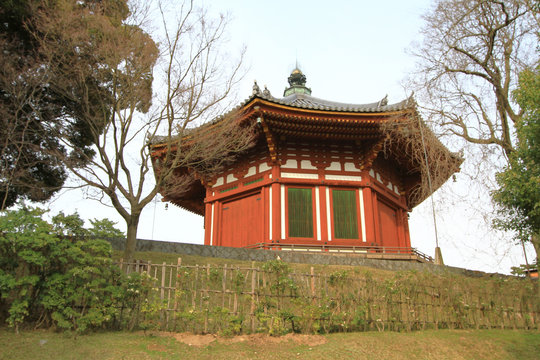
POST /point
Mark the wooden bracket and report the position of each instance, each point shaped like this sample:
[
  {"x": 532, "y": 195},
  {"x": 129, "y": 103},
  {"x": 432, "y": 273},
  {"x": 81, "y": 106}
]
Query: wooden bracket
[{"x": 270, "y": 141}]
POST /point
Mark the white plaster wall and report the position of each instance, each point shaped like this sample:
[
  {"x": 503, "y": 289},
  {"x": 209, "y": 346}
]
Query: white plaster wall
[
  {"x": 306, "y": 164},
  {"x": 299, "y": 176},
  {"x": 219, "y": 181},
  {"x": 343, "y": 177},
  {"x": 290, "y": 164},
  {"x": 231, "y": 178},
  {"x": 252, "y": 171},
  {"x": 264, "y": 167},
  {"x": 335, "y": 166},
  {"x": 349, "y": 166}
]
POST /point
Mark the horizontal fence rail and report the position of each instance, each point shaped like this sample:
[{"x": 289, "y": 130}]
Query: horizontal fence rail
[
  {"x": 370, "y": 251},
  {"x": 233, "y": 300}
]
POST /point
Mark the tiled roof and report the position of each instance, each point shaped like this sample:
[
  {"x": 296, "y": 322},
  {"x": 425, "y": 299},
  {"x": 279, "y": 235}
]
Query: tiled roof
[{"x": 305, "y": 101}]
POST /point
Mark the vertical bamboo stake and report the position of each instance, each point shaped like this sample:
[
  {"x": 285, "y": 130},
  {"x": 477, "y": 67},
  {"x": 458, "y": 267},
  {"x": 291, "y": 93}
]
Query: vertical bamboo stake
[
  {"x": 228, "y": 291},
  {"x": 406, "y": 307},
  {"x": 235, "y": 307},
  {"x": 434, "y": 307},
  {"x": 312, "y": 273},
  {"x": 253, "y": 278},
  {"x": 194, "y": 287},
  {"x": 264, "y": 289},
  {"x": 200, "y": 289},
  {"x": 176, "y": 289},
  {"x": 162, "y": 293},
  {"x": 169, "y": 288},
  {"x": 204, "y": 295},
  {"x": 163, "y": 281},
  {"x": 122, "y": 265},
  {"x": 476, "y": 313},
  {"x": 223, "y": 285}
]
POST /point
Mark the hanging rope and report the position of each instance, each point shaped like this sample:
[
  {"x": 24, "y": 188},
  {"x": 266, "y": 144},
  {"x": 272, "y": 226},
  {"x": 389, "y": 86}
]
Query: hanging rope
[
  {"x": 154, "y": 219},
  {"x": 428, "y": 172}
]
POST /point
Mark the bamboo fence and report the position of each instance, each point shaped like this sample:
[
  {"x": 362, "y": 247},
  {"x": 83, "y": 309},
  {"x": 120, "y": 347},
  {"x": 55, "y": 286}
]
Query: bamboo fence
[{"x": 232, "y": 300}]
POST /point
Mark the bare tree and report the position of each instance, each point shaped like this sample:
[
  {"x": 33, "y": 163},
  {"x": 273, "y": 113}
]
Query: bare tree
[
  {"x": 467, "y": 67},
  {"x": 468, "y": 64},
  {"x": 193, "y": 78}
]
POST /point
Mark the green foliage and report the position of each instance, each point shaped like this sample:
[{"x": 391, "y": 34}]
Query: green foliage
[
  {"x": 338, "y": 278},
  {"x": 69, "y": 225},
  {"x": 104, "y": 229},
  {"x": 522, "y": 270},
  {"x": 519, "y": 192},
  {"x": 215, "y": 275},
  {"x": 238, "y": 281},
  {"x": 54, "y": 275},
  {"x": 27, "y": 249},
  {"x": 280, "y": 281},
  {"x": 141, "y": 288}
]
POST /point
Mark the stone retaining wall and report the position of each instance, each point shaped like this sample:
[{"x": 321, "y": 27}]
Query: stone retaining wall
[{"x": 288, "y": 256}]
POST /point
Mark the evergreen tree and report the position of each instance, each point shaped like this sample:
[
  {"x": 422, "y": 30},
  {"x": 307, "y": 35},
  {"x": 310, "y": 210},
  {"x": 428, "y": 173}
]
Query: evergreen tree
[{"x": 519, "y": 192}]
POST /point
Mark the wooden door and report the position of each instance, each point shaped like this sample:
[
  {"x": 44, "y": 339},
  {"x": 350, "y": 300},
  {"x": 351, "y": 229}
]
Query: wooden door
[
  {"x": 242, "y": 221},
  {"x": 389, "y": 225}
]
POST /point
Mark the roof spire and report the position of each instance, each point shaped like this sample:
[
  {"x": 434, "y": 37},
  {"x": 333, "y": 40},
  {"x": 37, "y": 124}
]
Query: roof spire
[{"x": 297, "y": 82}]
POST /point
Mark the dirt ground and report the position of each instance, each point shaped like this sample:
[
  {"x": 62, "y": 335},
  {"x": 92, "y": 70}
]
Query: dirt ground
[{"x": 256, "y": 339}]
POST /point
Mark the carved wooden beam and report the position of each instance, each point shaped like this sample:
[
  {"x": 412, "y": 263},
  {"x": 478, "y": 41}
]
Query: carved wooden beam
[
  {"x": 271, "y": 141},
  {"x": 372, "y": 153}
]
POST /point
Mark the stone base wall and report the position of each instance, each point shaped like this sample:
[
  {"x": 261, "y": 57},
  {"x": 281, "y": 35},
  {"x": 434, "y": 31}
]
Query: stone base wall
[{"x": 290, "y": 257}]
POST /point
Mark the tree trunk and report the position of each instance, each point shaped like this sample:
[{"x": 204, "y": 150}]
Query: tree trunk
[
  {"x": 131, "y": 236},
  {"x": 535, "y": 240}
]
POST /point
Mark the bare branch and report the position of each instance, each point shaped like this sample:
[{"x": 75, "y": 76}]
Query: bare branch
[{"x": 468, "y": 66}]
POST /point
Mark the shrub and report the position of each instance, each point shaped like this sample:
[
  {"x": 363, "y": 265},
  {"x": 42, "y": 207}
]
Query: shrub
[{"x": 55, "y": 274}]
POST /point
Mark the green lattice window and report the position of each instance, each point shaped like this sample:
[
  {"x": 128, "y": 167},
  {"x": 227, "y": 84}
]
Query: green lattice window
[
  {"x": 300, "y": 206},
  {"x": 345, "y": 219}
]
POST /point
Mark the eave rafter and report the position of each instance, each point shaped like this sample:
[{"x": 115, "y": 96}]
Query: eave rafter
[{"x": 323, "y": 129}]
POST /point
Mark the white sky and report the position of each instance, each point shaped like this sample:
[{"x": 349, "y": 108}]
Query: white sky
[{"x": 350, "y": 51}]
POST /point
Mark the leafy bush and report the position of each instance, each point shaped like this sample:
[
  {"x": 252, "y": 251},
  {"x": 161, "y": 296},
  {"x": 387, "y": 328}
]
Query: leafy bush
[{"x": 59, "y": 274}]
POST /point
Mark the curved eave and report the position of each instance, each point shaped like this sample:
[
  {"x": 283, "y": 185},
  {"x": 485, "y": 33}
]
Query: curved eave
[
  {"x": 189, "y": 206},
  {"x": 191, "y": 200},
  {"x": 436, "y": 185},
  {"x": 343, "y": 117},
  {"x": 306, "y": 101}
]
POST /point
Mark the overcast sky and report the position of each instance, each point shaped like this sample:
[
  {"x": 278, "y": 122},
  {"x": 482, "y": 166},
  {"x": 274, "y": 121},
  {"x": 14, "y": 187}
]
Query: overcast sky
[{"x": 350, "y": 51}]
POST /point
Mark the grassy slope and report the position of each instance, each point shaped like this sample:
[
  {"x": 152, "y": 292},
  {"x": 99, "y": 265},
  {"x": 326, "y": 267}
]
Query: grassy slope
[
  {"x": 444, "y": 344},
  {"x": 170, "y": 258}
]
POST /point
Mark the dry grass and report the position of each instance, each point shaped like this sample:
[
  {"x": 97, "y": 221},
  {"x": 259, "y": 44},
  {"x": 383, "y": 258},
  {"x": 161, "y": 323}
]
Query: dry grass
[
  {"x": 191, "y": 260},
  {"x": 440, "y": 345}
]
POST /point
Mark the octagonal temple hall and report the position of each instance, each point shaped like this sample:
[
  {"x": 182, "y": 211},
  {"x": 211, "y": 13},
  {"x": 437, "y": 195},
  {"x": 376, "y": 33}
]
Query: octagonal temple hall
[{"x": 320, "y": 176}]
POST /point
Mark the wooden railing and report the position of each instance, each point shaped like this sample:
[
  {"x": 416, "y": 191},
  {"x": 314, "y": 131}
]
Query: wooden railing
[{"x": 370, "y": 251}]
